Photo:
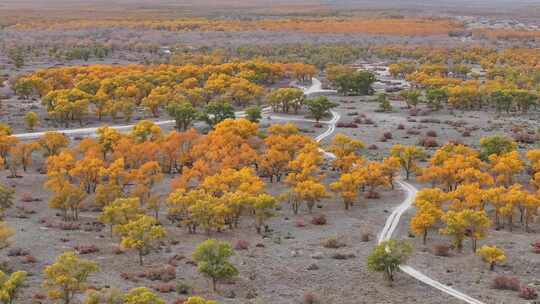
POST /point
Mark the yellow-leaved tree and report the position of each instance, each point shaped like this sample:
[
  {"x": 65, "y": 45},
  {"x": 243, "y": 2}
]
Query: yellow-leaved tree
[
  {"x": 67, "y": 276},
  {"x": 491, "y": 255},
  {"x": 140, "y": 234}
]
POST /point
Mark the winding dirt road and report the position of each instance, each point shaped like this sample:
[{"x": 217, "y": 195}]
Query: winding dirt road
[{"x": 392, "y": 221}]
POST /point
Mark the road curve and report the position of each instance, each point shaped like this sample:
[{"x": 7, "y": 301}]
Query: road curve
[
  {"x": 391, "y": 223},
  {"x": 390, "y": 226},
  {"x": 393, "y": 220},
  {"x": 122, "y": 128}
]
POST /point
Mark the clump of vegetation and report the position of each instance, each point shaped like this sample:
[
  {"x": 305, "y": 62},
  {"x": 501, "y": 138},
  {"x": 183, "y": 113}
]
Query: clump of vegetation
[
  {"x": 387, "y": 256},
  {"x": 212, "y": 257}
]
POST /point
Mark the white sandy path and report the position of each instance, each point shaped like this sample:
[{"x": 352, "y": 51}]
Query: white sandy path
[{"x": 392, "y": 221}]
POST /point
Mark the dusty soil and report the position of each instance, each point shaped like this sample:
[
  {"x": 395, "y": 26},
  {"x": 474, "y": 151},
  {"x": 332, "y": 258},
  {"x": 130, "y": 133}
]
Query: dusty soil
[{"x": 275, "y": 269}]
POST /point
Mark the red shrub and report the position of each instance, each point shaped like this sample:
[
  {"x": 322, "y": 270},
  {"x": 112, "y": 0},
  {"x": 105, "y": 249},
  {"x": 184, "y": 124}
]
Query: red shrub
[
  {"x": 536, "y": 247},
  {"x": 86, "y": 249},
  {"x": 309, "y": 298},
  {"x": 430, "y": 120},
  {"x": 27, "y": 198},
  {"x": 29, "y": 259},
  {"x": 319, "y": 220},
  {"x": 164, "y": 287},
  {"x": 431, "y": 133},
  {"x": 18, "y": 252},
  {"x": 506, "y": 283},
  {"x": 387, "y": 135},
  {"x": 414, "y": 112},
  {"x": 413, "y": 132},
  {"x": 524, "y": 138},
  {"x": 118, "y": 250},
  {"x": 346, "y": 125},
  {"x": 368, "y": 121},
  {"x": 401, "y": 127},
  {"x": 372, "y": 195},
  {"x": 428, "y": 142},
  {"x": 69, "y": 226},
  {"x": 165, "y": 273},
  {"x": 527, "y": 293},
  {"x": 441, "y": 250},
  {"x": 241, "y": 245}
]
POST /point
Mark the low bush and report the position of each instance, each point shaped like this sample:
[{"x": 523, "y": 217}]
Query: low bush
[
  {"x": 413, "y": 132},
  {"x": 401, "y": 127},
  {"x": 300, "y": 223},
  {"x": 428, "y": 142},
  {"x": 332, "y": 243},
  {"x": 527, "y": 293},
  {"x": 536, "y": 247},
  {"x": 183, "y": 288},
  {"x": 309, "y": 298},
  {"x": 414, "y": 112},
  {"x": 69, "y": 226},
  {"x": 28, "y": 198},
  {"x": 29, "y": 259},
  {"x": 86, "y": 249},
  {"x": 342, "y": 256},
  {"x": 503, "y": 282},
  {"x": 365, "y": 237},
  {"x": 241, "y": 245},
  {"x": 431, "y": 133},
  {"x": 165, "y": 273},
  {"x": 346, "y": 125},
  {"x": 441, "y": 249},
  {"x": 368, "y": 121},
  {"x": 18, "y": 252},
  {"x": 387, "y": 135},
  {"x": 164, "y": 287},
  {"x": 430, "y": 120},
  {"x": 524, "y": 138},
  {"x": 319, "y": 220}
]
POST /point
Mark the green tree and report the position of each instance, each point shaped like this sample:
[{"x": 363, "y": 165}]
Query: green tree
[
  {"x": 212, "y": 257},
  {"x": 320, "y": 106},
  {"x": 32, "y": 120},
  {"x": 183, "y": 113},
  {"x": 411, "y": 97},
  {"x": 67, "y": 276},
  {"x": 217, "y": 111},
  {"x": 384, "y": 103},
  {"x": 436, "y": 97},
  {"x": 355, "y": 83},
  {"x": 388, "y": 256},
  {"x": 16, "y": 57},
  {"x": 496, "y": 144},
  {"x": 7, "y": 195},
  {"x": 253, "y": 114}
]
